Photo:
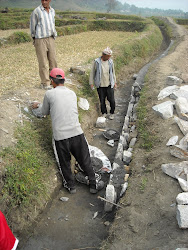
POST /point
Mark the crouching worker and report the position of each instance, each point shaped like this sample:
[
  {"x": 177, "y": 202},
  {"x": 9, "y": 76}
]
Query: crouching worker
[{"x": 61, "y": 103}]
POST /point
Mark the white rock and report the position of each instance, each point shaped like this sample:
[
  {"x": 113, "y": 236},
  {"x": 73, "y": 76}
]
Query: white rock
[
  {"x": 167, "y": 91},
  {"x": 110, "y": 143},
  {"x": 123, "y": 141},
  {"x": 184, "y": 88},
  {"x": 182, "y": 216},
  {"x": 119, "y": 151},
  {"x": 127, "y": 157},
  {"x": 182, "y": 198},
  {"x": 172, "y": 141},
  {"x": 123, "y": 188},
  {"x": 176, "y": 170},
  {"x": 181, "y": 105},
  {"x": 83, "y": 103},
  {"x": 178, "y": 152},
  {"x": 132, "y": 142},
  {"x": 111, "y": 197},
  {"x": 183, "y": 143},
  {"x": 165, "y": 109},
  {"x": 96, "y": 152},
  {"x": 173, "y": 80},
  {"x": 183, "y": 125},
  {"x": 101, "y": 122},
  {"x": 183, "y": 184},
  {"x": 179, "y": 93},
  {"x": 182, "y": 248}
]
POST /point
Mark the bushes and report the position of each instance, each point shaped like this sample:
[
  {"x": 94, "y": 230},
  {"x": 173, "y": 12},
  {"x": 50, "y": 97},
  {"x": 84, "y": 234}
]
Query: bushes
[
  {"x": 181, "y": 21},
  {"x": 72, "y": 29},
  {"x": 19, "y": 37}
]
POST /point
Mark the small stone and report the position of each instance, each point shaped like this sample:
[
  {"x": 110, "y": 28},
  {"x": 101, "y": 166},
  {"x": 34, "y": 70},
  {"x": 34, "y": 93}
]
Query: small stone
[
  {"x": 64, "y": 199},
  {"x": 107, "y": 223}
]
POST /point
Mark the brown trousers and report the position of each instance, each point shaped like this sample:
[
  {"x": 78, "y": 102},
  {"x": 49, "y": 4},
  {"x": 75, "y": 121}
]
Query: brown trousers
[{"x": 46, "y": 54}]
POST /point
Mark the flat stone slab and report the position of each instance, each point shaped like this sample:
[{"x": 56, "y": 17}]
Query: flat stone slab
[
  {"x": 167, "y": 91},
  {"x": 183, "y": 125},
  {"x": 176, "y": 170},
  {"x": 182, "y": 216},
  {"x": 111, "y": 197},
  {"x": 182, "y": 198},
  {"x": 181, "y": 105},
  {"x": 178, "y": 152},
  {"x": 164, "y": 110},
  {"x": 172, "y": 141},
  {"x": 173, "y": 80}
]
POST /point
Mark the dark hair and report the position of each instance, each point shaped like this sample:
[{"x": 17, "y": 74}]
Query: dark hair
[{"x": 57, "y": 80}]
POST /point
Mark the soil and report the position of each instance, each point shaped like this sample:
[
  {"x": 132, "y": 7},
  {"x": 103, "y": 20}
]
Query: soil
[{"x": 148, "y": 217}]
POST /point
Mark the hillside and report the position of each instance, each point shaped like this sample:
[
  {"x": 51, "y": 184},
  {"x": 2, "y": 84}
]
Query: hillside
[{"x": 94, "y": 5}]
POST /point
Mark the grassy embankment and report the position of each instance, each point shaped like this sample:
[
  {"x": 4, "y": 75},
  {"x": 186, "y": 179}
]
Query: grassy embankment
[
  {"x": 147, "y": 139},
  {"x": 31, "y": 160}
]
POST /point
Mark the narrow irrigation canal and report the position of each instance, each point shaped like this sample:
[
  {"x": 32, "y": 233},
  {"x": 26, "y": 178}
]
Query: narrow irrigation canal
[{"x": 81, "y": 222}]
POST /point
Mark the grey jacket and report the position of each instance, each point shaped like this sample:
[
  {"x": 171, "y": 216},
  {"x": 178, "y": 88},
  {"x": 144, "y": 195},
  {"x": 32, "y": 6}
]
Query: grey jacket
[{"x": 96, "y": 73}]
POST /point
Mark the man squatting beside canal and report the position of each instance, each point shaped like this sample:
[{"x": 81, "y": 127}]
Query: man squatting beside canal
[
  {"x": 61, "y": 103},
  {"x": 103, "y": 77},
  {"x": 43, "y": 32}
]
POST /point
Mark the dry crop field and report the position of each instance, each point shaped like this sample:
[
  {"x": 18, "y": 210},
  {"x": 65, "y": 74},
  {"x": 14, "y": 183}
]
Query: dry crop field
[{"x": 19, "y": 66}]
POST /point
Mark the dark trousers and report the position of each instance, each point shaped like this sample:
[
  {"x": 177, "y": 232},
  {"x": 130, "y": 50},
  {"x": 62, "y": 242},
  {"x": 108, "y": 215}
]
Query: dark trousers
[
  {"x": 106, "y": 92},
  {"x": 78, "y": 147}
]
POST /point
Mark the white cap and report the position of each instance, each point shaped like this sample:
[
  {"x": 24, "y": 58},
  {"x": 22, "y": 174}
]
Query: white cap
[{"x": 107, "y": 51}]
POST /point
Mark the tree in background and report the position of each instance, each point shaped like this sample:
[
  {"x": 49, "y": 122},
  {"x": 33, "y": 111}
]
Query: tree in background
[{"x": 111, "y": 5}]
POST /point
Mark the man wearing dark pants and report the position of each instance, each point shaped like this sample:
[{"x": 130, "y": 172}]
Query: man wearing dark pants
[
  {"x": 103, "y": 77},
  {"x": 61, "y": 104},
  {"x": 43, "y": 32}
]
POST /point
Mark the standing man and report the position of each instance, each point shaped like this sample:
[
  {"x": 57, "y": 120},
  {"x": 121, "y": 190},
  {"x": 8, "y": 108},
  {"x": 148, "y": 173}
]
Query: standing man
[
  {"x": 103, "y": 77},
  {"x": 43, "y": 32},
  {"x": 61, "y": 104}
]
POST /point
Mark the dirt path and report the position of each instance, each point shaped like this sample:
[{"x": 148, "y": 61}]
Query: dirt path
[
  {"x": 149, "y": 219},
  {"x": 71, "y": 225}
]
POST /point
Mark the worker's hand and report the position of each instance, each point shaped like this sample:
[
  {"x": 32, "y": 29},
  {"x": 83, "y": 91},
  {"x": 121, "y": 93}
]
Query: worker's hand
[
  {"x": 115, "y": 86},
  {"x": 92, "y": 86},
  {"x": 35, "y": 105}
]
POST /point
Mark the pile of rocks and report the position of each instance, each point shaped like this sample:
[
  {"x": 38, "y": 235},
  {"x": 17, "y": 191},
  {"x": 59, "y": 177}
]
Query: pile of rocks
[
  {"x": 178, "y": 93},
  {"x": 118, "y": 181}
]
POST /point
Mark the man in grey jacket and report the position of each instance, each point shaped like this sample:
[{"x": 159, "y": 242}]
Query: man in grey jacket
[
  {"x": 61, "y": 103},
  {"x": 103, "y": 77}
]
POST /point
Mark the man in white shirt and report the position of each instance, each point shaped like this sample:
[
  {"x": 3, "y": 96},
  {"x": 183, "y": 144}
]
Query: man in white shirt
[
  {"x": 43, "y": 32},
  {"x": 102, "y": 75}
]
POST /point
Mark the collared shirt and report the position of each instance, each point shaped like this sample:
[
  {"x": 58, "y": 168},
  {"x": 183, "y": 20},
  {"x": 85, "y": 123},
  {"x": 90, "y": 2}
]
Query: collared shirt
[
  {"x": 61, "y": 104},
  {"x": 42, "y": 23}
]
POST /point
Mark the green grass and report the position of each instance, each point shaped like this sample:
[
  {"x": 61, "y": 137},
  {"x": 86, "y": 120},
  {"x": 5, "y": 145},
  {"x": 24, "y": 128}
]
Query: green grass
[
  {"x": 27, "y": 165},
  {"x": 18, "y": 37},
  {"x": 139, "y": 48},
  {"x": 143, "y": 184},
  {"x": 147, "y": 140}
]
